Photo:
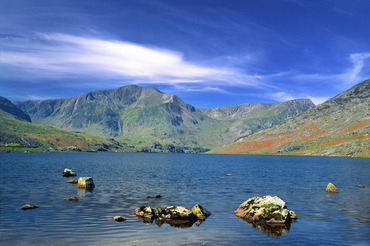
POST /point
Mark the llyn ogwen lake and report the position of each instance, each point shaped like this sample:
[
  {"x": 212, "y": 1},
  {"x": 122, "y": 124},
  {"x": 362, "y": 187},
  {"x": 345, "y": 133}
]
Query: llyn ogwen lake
[{"x": 123, "y": 180}]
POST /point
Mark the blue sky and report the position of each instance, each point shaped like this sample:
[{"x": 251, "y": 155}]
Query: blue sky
[{"x": 208, "y": 52}]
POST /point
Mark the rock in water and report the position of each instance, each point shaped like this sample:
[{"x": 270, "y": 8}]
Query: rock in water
[
  {"x": 361, "y": 186},
  {"x": 119, "y": 218},
  {"x": 331, "y": 188},
  {"x": 28, "y": 206},
  {"x": 266, "y": 209},
  {"x": 85, "y": 182},
  {"x": 71, "y": 199},
  {"x": 68, "y": 173},
  {"x": 229, "y": 174},
  {"x": 145, "y": 211},
  {"x": 200, "y": 212},
  {"x": 72, "y": 181}
]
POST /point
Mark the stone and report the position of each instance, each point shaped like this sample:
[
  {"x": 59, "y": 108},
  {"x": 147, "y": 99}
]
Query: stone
[
  {"x": 72, "y": 181},
  {"x": 28, "y": 206},
  {"x": 361, "y": 186},
  {"x": 119, "y": 218},
  {"x": 265, "y": 209},
  {"x": 229, "y": 174},
  {"x": 71, "y": 199},
  {"x": 85, "y": 182},
  {"x": 331, "y": 188},
  {"x": 68, "y": 173},
  {"x": 156, "y": 196},
  {"x": 178, "y": 213},
  {"x": 200, "y": 212},
  {"x": 144, "y": 211}
]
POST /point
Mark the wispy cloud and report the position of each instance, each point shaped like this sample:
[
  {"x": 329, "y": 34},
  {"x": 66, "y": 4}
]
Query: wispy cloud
[{"x": 61, "y": 55}]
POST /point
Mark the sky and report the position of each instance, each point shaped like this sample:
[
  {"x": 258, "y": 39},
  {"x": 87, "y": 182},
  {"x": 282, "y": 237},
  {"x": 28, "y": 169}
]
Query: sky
[{"x": 210, "y": 53}]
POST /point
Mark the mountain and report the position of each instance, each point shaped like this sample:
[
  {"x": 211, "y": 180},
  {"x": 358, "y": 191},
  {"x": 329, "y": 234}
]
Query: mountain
[
  {"x": 9, "y": 110},
  {"x": 338, "y": 127},
  {"x": 150, "y": 117}
]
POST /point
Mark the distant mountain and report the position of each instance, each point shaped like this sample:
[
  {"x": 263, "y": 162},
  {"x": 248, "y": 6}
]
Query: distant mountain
[
  {"x": 9, "y": 110},
  {"x": 338, "y": 127},
  {"x": 146, "y": 115}
]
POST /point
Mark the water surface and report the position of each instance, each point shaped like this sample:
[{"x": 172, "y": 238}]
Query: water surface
[{"x": 123, "y": 180}]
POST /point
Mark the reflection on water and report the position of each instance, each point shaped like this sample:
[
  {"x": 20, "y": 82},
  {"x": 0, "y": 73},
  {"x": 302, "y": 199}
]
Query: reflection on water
[
  {"x": 271, "y": 229},
  {"x": 171, "y": 222}
]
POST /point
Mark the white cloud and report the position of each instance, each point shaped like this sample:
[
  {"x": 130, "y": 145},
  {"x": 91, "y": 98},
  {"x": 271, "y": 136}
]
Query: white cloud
[
  {"x": 283, "y": 96},
  {"x": 60, "y": 55}
]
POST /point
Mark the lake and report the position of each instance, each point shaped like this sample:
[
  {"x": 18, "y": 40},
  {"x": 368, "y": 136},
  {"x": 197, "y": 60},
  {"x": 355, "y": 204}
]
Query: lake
[{"x": 123, "y": 180}]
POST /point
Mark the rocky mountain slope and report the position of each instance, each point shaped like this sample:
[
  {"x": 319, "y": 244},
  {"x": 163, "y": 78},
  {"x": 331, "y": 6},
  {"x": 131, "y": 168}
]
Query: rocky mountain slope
[
  {"x": 146, "y": 115},
  {"x": 338, "y": 127},
  {"x": 9, "y": 110}
]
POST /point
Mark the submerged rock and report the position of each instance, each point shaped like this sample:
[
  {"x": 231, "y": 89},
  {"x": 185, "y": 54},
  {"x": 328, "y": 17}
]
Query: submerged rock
[
  {"x": 119, "y": 218},
  {"x": 69, "y": 173},
  {"x": 71, "y": 199},
  {"x": 28, "y": 206},
  {"x": 265, "y": 209},
  {"x": 85, "y": 182},
  {"x": 156, "y": 196},
  {"x": 331, "y": 188},
  {"x": 72, "y": 181}
]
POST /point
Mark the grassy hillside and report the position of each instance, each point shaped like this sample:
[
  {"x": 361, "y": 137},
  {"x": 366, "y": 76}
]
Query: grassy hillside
[
  {"x": 22, "y": 136},
  {"x": 338, "y": 127}
]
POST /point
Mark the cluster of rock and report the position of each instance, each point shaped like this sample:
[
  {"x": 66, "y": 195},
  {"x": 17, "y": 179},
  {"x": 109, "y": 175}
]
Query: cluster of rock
[
  {"x": 265, "y": 209},
  {"x": 174, "y": 215}
]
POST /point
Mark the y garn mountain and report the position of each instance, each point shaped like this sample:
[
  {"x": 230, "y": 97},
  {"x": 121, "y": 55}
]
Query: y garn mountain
[
  {"x": 338, "y": 127},
  {"x": 149, "y": 117}
]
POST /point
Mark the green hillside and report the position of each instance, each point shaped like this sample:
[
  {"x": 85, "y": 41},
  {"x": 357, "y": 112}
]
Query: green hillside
[{"x": 338, "y": 127}]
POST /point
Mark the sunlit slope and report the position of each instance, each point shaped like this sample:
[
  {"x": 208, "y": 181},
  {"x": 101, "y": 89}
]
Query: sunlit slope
[
  {"x": 16, "y": 135},
  {"x": 338, "y": 127}
]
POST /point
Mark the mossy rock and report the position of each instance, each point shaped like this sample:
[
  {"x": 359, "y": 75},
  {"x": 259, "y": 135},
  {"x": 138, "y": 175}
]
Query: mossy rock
[
  {"x": 85, "y": 182},
  {"x": 28, "y": 206},
  {"x": 330, "y": 188},
  {"x": 200, "y": 212},
  {"x": 69, "y": 173}
]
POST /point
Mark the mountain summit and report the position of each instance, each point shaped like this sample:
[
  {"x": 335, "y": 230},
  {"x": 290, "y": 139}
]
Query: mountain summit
[{"x": 148, "y": 115}]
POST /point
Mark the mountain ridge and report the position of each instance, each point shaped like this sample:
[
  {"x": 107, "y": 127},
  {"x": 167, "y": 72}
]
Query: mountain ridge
[
  {"x": 339, "y": 127},
  {"x": 147, "y": 114}
]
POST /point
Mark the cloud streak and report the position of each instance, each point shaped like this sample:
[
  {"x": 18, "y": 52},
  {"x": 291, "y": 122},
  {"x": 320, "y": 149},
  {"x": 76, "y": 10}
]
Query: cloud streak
[{"x": 61, "y": 55}]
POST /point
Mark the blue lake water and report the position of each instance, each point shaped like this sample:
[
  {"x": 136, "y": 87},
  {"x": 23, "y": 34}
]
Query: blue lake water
[{"x": 123, "y": 180}]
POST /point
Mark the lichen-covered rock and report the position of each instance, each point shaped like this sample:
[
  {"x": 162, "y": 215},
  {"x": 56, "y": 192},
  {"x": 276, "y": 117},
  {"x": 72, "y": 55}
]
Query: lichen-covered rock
[
  {"x": 119, "y": 218},
  {"x": 266, "y": 209},
  {"x": 173, "y": 215},
  {"x": 28, "y": 206},
  {"x": 178, "y": 213},
  {"x": 331, "y": 188},
  {"x": 71, "y": 199},
  {"x": 145, "y": 211},
  {"x": 200, "y": 212},
  {"x": 69, "y": 173},
  {"x": 85, "y": 182}
]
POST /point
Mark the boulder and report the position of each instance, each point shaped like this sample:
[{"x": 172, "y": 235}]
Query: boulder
[
  {"x": 119, "y": 218},
  {"x": 331, "y": 188},
  {"x": 200, "y": 212},
  {"x": 28, "y": 206},
  {"x": 173, "y": 215},
  {"x": 71, "y": 199},
  {"x": 85, "y": 182},
  {"x": 72, "y": 181},
  {"x": 266, "y": 209},
  {"x": 68, "y": 173}
]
